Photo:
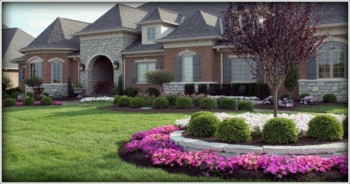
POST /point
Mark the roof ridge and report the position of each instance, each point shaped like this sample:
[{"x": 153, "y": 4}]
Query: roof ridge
[{"x": 74, "y": 20}]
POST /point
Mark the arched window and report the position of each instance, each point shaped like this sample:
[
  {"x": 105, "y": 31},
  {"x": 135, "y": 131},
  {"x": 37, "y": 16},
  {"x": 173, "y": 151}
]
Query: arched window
[
  {"x": 56, "y": 72},
  {"x": 36, "y": 67},
  {"x": 331, "y": 58},
  {"x": 187, "y": 68}
]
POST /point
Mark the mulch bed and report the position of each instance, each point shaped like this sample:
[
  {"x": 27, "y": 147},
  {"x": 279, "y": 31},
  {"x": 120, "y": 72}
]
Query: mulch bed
[
  {"x": 139, "y": 159},
  {"x": 297, "y": 105},
  {"x": 167, "y": 110},
  {"x": 258, "y": 141}
]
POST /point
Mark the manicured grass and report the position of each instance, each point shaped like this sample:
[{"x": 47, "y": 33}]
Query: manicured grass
[
  {"x": 336, "y": 109},
  {"x": 77, "y": 143}
]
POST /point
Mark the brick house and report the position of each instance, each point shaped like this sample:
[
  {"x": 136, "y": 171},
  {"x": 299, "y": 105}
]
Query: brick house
[{"x": 184, "y": 38}]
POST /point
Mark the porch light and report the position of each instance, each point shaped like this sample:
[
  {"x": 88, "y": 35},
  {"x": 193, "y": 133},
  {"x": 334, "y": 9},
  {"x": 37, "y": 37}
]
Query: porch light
[
  {"x": 116, "y": 64},
  {"x": 81, "y": 67}
]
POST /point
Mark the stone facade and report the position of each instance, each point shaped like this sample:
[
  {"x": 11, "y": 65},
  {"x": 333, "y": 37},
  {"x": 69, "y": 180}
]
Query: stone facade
[
  {"x": 51, "y": 89},
  {"x": 109, "y": 45},
  {"x": 179, "y": 87},
  {"x": 318, "y": 88}
]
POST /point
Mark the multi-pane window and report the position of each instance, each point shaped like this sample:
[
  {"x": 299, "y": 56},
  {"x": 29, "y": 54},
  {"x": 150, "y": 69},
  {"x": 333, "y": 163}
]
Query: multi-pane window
[
  {"x": 241, "y": 70},
  {"x": 56, "y": 72},
  {"x": 187, "y": 68},
  {"x": 142, "y": 68},
  {"x": 331, "y": 61},
  {"x": 151, "y": 34},
  {"x": 21, "y": 73},
  {"x": 36, "y": 69}
]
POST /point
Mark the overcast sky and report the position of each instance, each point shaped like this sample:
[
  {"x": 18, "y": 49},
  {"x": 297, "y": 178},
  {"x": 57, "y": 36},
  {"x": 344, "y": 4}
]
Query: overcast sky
[{"x": 33, "y": 18}]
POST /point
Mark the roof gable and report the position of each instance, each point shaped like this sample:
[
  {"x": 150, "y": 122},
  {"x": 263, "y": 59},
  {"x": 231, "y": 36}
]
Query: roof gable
[{"x": 163, "y": 15}]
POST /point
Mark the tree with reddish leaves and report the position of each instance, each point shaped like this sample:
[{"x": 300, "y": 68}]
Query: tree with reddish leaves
[{"x": 277, "y": 36}]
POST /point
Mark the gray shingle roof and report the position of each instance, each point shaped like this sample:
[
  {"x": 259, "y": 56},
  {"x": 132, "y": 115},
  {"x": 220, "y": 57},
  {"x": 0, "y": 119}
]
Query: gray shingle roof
[
  {"x": 7, "y": 36},
  {"x": 199, "y": 24},
  {"x": 120, "y": 16},
  {"x": 59, "y": 35},
  {"x": 137, "y": 46},
  {"x": 334, "y": 12},
  {"x": 164, "y": 15},
  {"x": 4, "y": 26}
]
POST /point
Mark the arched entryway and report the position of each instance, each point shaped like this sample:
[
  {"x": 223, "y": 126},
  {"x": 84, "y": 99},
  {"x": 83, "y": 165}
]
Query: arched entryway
[{"x": 101, "y": 75}]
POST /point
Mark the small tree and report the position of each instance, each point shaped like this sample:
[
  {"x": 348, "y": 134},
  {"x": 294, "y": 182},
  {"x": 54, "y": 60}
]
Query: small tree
[
  {"x": 159, "y": 77},
  {"x": 291, "y": 80},
  {"x": 33, "y": 82},
  {"x": 120, "y": 86},
  {"x": 6, "y": 82},
  {"x": 277, "y": 36},
  {"x": 70, "y": 88}
]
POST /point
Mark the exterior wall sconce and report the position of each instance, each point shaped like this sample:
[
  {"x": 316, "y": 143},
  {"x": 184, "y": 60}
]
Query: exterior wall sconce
[
  {"x": 116, "y": 64},
  {"x": 81, "y": 67}
]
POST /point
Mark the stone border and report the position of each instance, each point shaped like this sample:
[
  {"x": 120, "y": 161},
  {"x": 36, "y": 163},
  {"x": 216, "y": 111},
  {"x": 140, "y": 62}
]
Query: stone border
[{"x": 224, "y": 149}]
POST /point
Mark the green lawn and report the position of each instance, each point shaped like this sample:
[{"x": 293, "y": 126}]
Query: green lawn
[
  {"x": 336, "y": 109},
  {"x": 77, "y": 143}
]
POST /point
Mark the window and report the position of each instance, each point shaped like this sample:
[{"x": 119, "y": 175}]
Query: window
[
  {"x": 151, "y": 34},
  {"x": 331, "y": 60},
  {"x": 241, "y": 70},
  {"x": 56, "y": 72},
  {"x": 187, "y": 68},
  {"x": 36, "y": 69},
  {"x": 142, "y": 68},
  {"x": 21, "y": 73}
]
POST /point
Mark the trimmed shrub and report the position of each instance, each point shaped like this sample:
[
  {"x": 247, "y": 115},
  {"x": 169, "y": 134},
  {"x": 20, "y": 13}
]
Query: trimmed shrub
[
  {"x": 233, "y": 130},
  {"x": 28, "y": 100},
  {"x": 153, "y": 92},
  {"x": 214, "y": 89},
  {"x": 196, "y": 101},
  {"x": 160, "y": 103},
  {"x": 284, "y": 96},
  {"x": 280, "y": 131},
  {"x": 115, "y": 101},
  {"x": 246, "y": 106},
  {"x": 227, "y": 103},
  {"x": 325, "y": 128},
  {"x": 199, "y": 113},
  {"x": 189, "y": 89},
  {"x": 345, "y": 126},
  {"x": 5, "y": 95},
  {"x": 203, "y": 125},
  {"x": 203, "y": 89},
  {"x": 124, "y": 101},
  {"x": 208, "y": 103},
  {"x": 9, "y": 102},
  {"x": 303, "y": 95},
  {"x": 329, "y": 98},
  {"x": 184, "y": 102},
  {"x": 131, "y": 92},
  {"x": 226, "y": 89},
  {"x": 171, "y": 98},
  {"x": 15, "y": 94},
  {"x": 45, "y": 100},
  {"x": 31, "y": 94},
  {"x": 137, "y": 102},
  {"x": 146, "y": 98}
]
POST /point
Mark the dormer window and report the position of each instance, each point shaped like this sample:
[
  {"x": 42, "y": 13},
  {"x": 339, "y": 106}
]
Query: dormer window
[{"x": 151, "y": 34}]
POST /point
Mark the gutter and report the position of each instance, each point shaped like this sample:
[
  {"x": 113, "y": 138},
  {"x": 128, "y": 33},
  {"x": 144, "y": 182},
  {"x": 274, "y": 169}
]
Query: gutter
[
  {"x": 188, "y": 39},
  {"x": 143, "y": 52},
  {"x": 47, "y": 49},
  {"x": 105, "y": 31}
]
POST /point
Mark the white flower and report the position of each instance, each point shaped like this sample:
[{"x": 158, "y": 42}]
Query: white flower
[{"x": 94, "y": 99}]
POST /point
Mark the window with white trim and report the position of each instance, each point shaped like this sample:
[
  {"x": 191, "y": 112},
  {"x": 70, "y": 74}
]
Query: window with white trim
[
  {"x": 21, "y": 73},
  {"x": 331, "y": 61},
  {"x": 241, "y": 70},
  {"x": 151, "y": 33},
  {"x": 56, "y": 72},
  {"x": 36, "y": 69},
  {"x": 143, "y": 68},
  {"x": 187, "y": 68}
]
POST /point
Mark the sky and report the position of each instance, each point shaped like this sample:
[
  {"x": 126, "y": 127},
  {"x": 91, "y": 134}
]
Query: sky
[{"x": 34, "y": 17}]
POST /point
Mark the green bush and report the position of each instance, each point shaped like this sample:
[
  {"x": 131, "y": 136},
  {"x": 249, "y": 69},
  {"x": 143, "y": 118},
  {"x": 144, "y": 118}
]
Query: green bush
[
  {"x": 208, "y": 103},
  {"x": 233, "y": 130},
  {"x": 28, "y": 100},
  {"x": 325, "y": 128},
  {"x": 246, "y": 106},
  {"x": 45, "y": 100},
  {"x": 203, "y": 89},
  {"x": 15, "y": 94},
  {"x": 284, "y": 96},
  {"x": 345, "y": 126},
  {"x": 256, "y": 131},
  {"x": 303, "y": 95},
  {"x": 329, "y": 98},
  {"x": 184, "y": 102},
  {"x": 31, "y": 94},
  {"x": 280, "y": 131},
  {"x": 124, "y": 101},
  {"x": 146, "y": 98},
  {"x": 160, "y": 103},
  {"x": 9, "y": 102},
  {"x": 138, "y": 102},
  {"x": 196, "y": 100},
  {"x": 46, "y": 94},
  {"x": 153, "y": 92},
  {"x": 199, "y": 113},
  {"x": 228, "y": 103},
  {"x": 131, "y": 92},
  {"x": 219, "y": 100},
  {"x": 171, "y": 98},
  {"x": 5, "y": 95},
  {"x": 116, "y": 98},
  {"x": 203, "y": 125},
  {"x": 189, "y": 89}
]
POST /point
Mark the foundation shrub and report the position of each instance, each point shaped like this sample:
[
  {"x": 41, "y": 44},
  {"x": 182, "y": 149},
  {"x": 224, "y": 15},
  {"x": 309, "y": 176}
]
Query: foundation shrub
[
  {"x": 160, "y": 103},
  {"x": 329, "y": 98},
  {"x": 154, "y": 92},
  {"x": 9, "y": 102},
  {"x": 45, "y": 100},
  {"x": 208, "y": 103},
  {"x": 189, "y": 89},
  {"x": 28, "y": 100},
  {"x": 184, "y": 102},
  {"x": 137, "y": 102},
  {"x": 227, "y": 103},
  {"x": 246, "y": 106},
  {"x": 124, "y": 101}
]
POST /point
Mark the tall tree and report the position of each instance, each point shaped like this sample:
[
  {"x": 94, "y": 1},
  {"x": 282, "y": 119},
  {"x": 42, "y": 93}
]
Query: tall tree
[{"x": 277, "y": 36}]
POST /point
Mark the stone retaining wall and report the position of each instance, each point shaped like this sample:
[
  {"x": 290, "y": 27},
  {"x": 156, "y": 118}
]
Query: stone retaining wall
[
  {"x": 51, "y": 89},
  {"x": 318, "y": 88},
  {"x": 179, "y": 87}
]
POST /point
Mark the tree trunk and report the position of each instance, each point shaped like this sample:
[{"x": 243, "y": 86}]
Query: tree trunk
[{"x": 275, "y": 104}]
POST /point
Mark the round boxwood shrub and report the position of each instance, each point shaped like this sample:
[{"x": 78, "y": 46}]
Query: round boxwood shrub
[
  {"x": 184, "y": 102},
  {"x": 246, "y": 106},
  {"x": 233, "y": 130},
  {"x": 137, "y": 102},
  {"x": 325, "y": 128},
  {"x": 203, "y": 125},
  {"x": 28, "y": 100},
  {"x": 329, "y": 98},
  {"x": 124, "y": 101},
  {"x": 115, "y": 101},
  {"x": 196, "y": 101},
  {"x": 280, "y": 131},
  {"x": 9, "y": 102},
  {"x": 227, "y": 103},
  {"x": 199, "y": 113},
  {"x": 148, "y": 99},
  {"x": 45, "y": 100},
  {"x": 345, "y": 126},
  {"x": 208, "y": 103},
  {"x": 171, "y": 98},
  {"x": 160, "y": 103}
]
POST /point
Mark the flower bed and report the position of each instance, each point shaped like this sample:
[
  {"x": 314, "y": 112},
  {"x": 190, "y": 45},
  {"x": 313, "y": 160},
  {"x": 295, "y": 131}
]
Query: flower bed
[
  {"x": 156, "y": 145},
  {"x": 238, "y": 98},
  {"x": 258, "y": 120},
  {"x": 96, "y": 99},
  {"x": 38, "y": 103}
]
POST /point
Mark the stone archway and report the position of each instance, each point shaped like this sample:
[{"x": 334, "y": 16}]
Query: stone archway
[{"x": 101, "y": 75}]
